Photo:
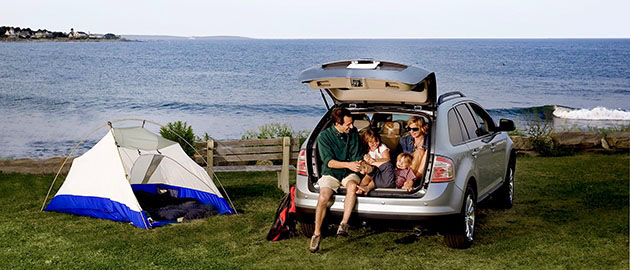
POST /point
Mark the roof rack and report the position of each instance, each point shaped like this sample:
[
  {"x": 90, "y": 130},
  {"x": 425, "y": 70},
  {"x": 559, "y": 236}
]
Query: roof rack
[{"x": 444, "y": 97}]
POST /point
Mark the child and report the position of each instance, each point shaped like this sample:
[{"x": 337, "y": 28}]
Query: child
[
  {"x": 404, "y": 174},
  {"x": 378, "y": 152},
  {"x": 382, "y": 175}
]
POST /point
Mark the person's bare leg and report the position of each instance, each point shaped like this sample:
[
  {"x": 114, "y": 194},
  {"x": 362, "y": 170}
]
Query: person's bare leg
[
  {"x": 362, "y": 188},
  {"x": 351, "y": 197},
  {"x": 418, "y": 160},
  {"x": 320, "y": 210},
  {"x": 369, "y": 187}
]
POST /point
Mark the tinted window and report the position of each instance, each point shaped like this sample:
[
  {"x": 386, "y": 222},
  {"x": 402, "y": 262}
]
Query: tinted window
[
  {"x": 484, "y": 121},
  {"x": 454, "y": 128},
  {"x": 468, "y": 120}
]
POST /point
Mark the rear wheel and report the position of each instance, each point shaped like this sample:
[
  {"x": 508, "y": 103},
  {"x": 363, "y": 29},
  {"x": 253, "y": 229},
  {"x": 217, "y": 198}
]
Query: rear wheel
[
  {"x": 505, "y": 195},
  {"x": 462, "y": 231}
]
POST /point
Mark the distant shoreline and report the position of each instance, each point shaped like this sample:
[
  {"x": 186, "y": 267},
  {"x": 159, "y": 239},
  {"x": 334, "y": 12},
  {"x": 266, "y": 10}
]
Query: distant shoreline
[{"x": 21, "y": 40}]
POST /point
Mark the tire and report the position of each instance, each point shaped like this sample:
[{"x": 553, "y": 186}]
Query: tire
[
  {"x": 462, "y": 231},
  {"x": 307, "y": 229},
  {"x": 504, "y": 196}
]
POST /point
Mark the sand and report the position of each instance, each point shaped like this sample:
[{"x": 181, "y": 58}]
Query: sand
[{"x": 34, "y": 166}]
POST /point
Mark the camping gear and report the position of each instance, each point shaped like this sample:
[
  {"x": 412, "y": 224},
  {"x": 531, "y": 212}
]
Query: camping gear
[
  {"x": 283, "y": 226},
  {"x": 101, "y": 182}
]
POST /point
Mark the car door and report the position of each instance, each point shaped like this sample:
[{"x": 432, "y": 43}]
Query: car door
[
  {"x": 479, "y": 149},
  {"x": 495, "y": 168}
]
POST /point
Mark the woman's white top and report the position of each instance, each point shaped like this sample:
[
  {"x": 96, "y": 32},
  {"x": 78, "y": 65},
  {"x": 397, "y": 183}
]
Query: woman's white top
[{"x": 378, "y": 153}]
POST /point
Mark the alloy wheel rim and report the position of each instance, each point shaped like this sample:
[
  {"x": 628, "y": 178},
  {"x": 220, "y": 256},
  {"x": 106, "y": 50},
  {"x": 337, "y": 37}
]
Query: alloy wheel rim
[{"x": 469, "y": 218}]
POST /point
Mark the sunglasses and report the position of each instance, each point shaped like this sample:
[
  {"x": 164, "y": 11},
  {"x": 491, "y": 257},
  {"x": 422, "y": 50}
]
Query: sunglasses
[{"x": 413, "y": 129}]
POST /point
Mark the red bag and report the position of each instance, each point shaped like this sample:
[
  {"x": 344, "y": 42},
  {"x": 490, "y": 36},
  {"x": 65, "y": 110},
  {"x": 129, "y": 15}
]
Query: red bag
[{"x": 284, "y": 225}]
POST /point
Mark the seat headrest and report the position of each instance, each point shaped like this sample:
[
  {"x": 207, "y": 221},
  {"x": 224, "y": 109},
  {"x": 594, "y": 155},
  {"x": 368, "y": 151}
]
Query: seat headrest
[
  {"x": 391, "y": 128},
  {"x": 361, "y": 124}
]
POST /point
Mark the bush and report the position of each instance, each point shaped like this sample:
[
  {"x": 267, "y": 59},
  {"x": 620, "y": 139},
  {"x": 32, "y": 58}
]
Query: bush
[
  {"x": 539, "y": 131},
  {"x": 275, "y": 130},
  {"x": 182, "y": 133}
]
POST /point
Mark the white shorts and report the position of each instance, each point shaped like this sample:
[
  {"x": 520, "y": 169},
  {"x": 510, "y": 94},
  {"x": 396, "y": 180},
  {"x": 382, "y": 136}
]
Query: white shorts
[{"x": 332, "y": 182}]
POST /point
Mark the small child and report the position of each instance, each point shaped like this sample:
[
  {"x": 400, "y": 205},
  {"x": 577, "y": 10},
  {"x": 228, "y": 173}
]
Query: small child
[
  {"x": 377, "y": 151},
  {"x": 382, "y": 174},
  {"x": 404, "y": 174}
]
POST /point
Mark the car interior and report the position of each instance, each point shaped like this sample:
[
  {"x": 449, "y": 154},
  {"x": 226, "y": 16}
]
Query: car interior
[{"x": 390, "y": 126}]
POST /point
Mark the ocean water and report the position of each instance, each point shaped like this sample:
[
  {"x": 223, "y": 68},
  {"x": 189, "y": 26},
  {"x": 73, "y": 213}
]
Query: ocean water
[{"x": 52, "y": 94}]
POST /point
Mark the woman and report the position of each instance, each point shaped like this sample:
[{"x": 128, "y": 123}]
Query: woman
[{"x": 416, "y": 144}]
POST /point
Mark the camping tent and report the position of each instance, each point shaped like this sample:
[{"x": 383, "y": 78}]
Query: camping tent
[{"x": 101, "y": 182}]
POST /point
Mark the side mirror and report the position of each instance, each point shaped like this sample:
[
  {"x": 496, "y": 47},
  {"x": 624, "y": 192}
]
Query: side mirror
[{"x": 506, "y": 125}]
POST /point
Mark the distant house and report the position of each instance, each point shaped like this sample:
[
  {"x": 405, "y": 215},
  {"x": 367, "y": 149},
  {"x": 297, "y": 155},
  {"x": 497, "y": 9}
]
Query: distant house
[
  {"x": 95, "y": 36},
  {"x": 10, "y": 33},
  {"x": 24, "y": 34},
  {"x": 42, "y": 34},
  {"x": 77, "y": 34},
  {"x": 81, "y": 35}
]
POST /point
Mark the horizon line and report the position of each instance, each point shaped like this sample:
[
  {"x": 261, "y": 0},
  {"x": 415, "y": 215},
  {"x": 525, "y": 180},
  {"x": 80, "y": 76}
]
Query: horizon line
[{"x": 363, "y": 38}]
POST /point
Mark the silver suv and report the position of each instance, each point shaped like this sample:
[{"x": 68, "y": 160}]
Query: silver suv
[{"x": 470, "y": 156}]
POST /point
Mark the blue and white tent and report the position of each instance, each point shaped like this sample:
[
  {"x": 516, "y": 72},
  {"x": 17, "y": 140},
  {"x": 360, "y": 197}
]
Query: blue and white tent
[{"x": 102, "y": 181}]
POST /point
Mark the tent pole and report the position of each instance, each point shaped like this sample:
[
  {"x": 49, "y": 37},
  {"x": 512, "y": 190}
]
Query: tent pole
[{"x": 64, "y": 163}]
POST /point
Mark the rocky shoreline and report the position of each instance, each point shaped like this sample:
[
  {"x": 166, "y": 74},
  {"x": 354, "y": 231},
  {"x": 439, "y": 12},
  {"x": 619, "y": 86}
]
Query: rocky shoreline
[{"x": 579, "y": 142}]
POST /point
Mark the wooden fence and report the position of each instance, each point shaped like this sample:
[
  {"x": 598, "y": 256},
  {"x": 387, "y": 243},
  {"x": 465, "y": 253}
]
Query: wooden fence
[{"x": 251, "y": 155}]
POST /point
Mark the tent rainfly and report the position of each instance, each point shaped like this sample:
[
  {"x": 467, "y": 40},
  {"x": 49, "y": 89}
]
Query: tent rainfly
[{"x": 102, "y": 181}]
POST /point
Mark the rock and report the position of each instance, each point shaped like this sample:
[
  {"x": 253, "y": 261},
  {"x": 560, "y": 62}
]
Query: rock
[
  {"x": 522, "y": 143},
  {"x": 578, "y": 140},
  {"x": 619, "y": 140},
  {"x": 605, "y": 144},
  {"x": 264, "y": 163}
]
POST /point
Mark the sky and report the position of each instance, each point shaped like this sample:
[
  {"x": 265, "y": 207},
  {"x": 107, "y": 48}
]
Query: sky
[{"x": 328, "y": 18}]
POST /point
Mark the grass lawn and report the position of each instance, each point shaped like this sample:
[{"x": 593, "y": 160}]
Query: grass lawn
[{"x": 569, "y": 212}]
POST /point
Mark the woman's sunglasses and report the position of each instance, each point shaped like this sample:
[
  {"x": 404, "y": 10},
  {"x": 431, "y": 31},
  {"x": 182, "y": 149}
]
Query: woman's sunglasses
[{"x": 413, "y": 129}]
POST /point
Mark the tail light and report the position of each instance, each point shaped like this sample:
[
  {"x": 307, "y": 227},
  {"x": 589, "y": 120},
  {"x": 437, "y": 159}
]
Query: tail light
[
  {"x": 443, "y": 170},
  {"x": 301, "y": 163}
]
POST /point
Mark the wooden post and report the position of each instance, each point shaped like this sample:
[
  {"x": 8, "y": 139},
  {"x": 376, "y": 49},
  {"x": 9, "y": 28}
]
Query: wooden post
[
  {"x": 210, "y": 157},
  {"x": 283, "y": 179}
]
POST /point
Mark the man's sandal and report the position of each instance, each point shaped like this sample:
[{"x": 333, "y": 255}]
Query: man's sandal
[
  {"x": 314, "y": 246},
  {"x": 343, "y": 230}
]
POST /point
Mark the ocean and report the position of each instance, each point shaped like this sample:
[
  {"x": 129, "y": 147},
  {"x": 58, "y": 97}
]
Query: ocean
[{"x": 54, "y": 93}]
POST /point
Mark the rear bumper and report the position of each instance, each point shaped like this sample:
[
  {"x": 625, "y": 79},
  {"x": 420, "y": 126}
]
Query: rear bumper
[{"x": 441, "y": 199}]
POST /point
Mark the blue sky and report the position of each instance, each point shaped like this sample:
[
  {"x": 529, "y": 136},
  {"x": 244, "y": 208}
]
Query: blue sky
[{"x": 329, "y": 19}]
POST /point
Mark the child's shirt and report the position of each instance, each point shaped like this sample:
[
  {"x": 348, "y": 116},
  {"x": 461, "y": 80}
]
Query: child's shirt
[
  {"x": 378, "y": 153},
  {"x": 404, "y": 175}
]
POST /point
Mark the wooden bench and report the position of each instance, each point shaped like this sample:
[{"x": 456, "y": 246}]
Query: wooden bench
[{"x": 235, "y": 156}]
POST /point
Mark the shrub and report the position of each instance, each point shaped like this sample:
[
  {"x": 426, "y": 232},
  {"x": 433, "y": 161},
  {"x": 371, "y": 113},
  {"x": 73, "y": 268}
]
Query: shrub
[
  {"x": 275, "y": 130},
  {"x": 182, "y": 133},
  {"x": 539, "y": 131}
]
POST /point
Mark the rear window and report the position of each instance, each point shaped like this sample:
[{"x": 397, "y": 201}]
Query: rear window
[
  {"x": 470, "y": 124},
  {"x": 454, "y": 128}
]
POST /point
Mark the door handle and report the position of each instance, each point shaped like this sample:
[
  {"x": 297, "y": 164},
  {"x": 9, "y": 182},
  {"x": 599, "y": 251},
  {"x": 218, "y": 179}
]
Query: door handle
[
  {"x": 475, "y": 153},
  {"x": 492, "y": 147}
]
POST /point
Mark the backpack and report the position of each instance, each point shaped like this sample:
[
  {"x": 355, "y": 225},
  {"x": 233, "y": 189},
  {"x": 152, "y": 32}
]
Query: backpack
[{"x": 284, "y": 225}]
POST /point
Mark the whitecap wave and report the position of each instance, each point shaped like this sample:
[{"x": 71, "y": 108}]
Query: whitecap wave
[{"x": 597, "y": 113}]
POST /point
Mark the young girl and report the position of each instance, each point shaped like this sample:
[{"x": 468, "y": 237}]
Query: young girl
[
  {"x": 404, "y": 173},
  {"x": 377, "y": 155},
  {"x": 378, "y": 152}
]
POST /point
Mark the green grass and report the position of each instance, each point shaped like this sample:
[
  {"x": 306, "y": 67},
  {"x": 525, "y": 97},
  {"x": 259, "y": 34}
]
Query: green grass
[{"x": 569, "y": 212}]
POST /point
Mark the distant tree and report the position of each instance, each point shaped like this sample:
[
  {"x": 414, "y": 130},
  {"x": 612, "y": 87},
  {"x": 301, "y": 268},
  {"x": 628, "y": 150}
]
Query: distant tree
[
  {"x": 59, "y": 35},
  {"x": 3, "y": 30}
]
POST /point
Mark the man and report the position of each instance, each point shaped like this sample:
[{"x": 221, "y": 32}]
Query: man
[{"x": 340, "y": 150}]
